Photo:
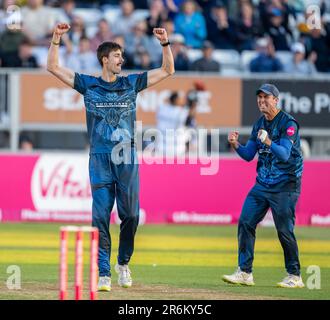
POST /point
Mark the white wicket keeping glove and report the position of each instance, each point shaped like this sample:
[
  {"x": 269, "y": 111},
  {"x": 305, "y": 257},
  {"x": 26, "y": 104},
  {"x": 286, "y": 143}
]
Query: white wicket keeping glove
[{"x": 263, "y": 136}]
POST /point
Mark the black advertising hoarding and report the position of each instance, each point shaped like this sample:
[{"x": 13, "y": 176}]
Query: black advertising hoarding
[{"x": 308, "y": 101}]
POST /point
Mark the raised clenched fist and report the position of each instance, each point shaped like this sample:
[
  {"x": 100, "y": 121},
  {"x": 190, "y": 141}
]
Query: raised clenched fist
[
  {"x": 233, "y": 139},
  {"x": 61, "y": 28},
  {"x": 160, "y": 34}
]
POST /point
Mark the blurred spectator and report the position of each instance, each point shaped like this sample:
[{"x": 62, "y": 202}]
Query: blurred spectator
[
  {"x": 85, "y": 59},
  {"x": 325, "y": 6},
  {"x": 38, "y": 21},
  {"x": 25, "y": 143},
  {"x": 10, "y": 40},
  {"x": 206, "y": 63},
  {"x": 168, "y": 25},
  {"x": 103, "y": 34},
  {"x": 277, "y": 31},
  {"x": 179, "y": 51},
  {"x": 21, "y": 59},
  {"x": 158, "y": 14},
  {"x": 191, "y": 24},
  {"x": 248, "y": 27},
  {"x": 172, "y": 116},
  {"x": 266, "y": 60},
  {"x": 66, "y": 11},
  {"x": 128, "y": 61},
  {"x": 318, "y": 41},
  {"x": 173, "y": 7},
  {"x": 267, "y": 8},
  {"x": 126, "y": 20},
  {"x": 220, "y": 29},
  {"x": 191, "y": 123},
  {"x": 4, "y": 17},
  {"x": 298, "y": 64},
  {"x": 77, "y": 31},
  {"x": 206, "y": 6},
  {"x": 143, "y": 60},
  {"x": 138, "y": 40}
]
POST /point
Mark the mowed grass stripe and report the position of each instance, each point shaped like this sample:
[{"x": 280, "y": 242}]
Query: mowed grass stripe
[
  {"x": 166, "y": 258},
  {"x": 165, "y": 243},
  {"x": 175, "y": 250}
]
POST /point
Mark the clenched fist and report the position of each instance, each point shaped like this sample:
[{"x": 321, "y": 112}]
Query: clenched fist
[
  {"x": 160, "y": 34},
  {"x": 233, "y": 139},
  {"x": 61, "y": 28}
]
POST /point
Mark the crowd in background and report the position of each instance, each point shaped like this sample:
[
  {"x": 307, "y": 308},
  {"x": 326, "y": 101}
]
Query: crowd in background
[{"x": 264, "y": 26}]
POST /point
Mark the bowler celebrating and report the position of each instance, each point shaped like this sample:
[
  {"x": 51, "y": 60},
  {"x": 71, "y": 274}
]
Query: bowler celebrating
[
  {"x": 275, "y": 137},
  {"x": 110, "y": 102}
]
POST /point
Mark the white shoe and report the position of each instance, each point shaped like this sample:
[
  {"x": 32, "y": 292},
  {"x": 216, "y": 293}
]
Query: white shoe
[
  {"x": 104, "y": 284},
  {"x": 291, "y": 281},
  {"x": 124, "y": 275},
  {"x": 239, "y": 277}
]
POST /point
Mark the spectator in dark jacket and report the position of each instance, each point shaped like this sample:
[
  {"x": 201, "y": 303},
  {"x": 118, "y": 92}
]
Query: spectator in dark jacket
[
  {"x": 248, "y": 27},
  {"x": 277, "y": 31},
  {"x": 22, "y": 59},
  {"x": 318, "y": 42},
  {"x": 220, "y": 29},
  {"x": 206, "y": 63},
  {"x": 179, "y": 51},
  {"x": 266, "y": 60},
  {"x": 158, "y": 14}
]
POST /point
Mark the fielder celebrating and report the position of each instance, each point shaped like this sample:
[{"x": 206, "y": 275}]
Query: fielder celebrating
[
  {"x": 275, "y": 137},
  {"x": 110, "y": 102}
]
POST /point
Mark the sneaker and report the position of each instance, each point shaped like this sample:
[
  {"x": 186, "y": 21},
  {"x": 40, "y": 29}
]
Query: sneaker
[
  {"x": 124, "y": 275},
  {"x": 291, "y": 281},
  {"x": 104, "y": 284},
  {"x": 239, "y": 277}
]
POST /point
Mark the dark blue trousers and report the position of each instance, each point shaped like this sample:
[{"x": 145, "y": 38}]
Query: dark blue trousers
[
  {"x": 110, "y": 182},
  {"x": 254, "y": 210}
]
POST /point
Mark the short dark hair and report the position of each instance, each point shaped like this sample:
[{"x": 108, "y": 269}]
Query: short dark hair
[{"x": 105, "y": 48}]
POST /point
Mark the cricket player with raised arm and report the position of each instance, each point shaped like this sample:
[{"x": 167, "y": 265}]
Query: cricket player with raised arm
[
  {"x": 110, "y": 102},
  {"x": 276, "y": 139}
]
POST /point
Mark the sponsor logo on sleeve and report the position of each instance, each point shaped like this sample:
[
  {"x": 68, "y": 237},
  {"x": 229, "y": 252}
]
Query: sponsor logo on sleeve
[{"x": 290, "y": 131}]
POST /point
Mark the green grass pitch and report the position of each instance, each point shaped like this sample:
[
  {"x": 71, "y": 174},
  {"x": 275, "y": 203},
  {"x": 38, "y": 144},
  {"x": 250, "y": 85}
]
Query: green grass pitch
[{"x": 170, "y": 262}]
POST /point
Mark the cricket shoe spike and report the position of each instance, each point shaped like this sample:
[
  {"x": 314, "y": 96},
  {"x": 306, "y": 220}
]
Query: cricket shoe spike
[
  {"x": 239, "y": 277},
  {"x": 291, "y": 281},
  {"x": 124, "y": 275},
  {"x": 104, "y": 284}
]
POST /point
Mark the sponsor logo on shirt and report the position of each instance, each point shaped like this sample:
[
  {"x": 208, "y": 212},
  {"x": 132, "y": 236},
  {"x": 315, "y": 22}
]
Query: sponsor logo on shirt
[
  {"x": 112, "y": 105},
  {"x": 290, "y": 131}
]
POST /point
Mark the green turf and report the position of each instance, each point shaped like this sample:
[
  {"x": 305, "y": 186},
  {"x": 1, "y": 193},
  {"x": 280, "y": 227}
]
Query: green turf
[{"x": 184, "y": 262}]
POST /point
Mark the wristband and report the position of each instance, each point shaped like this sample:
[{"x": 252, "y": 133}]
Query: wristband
[
  {"x": 55, "y": 43},
  {"x": 165, "y": 44}
]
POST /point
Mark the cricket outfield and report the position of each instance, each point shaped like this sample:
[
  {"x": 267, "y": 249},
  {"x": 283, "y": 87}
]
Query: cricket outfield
[{"x": 170, "y": 262}]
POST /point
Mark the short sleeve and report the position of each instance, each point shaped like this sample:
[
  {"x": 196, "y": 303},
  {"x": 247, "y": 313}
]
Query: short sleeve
[
  {"x": 290, "y": 131},
  {"x": 138, "y": 80},
  {"x": 81, "y": 82}
]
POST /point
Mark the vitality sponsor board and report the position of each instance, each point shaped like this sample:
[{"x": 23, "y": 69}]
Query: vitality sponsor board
[
  {"x": 307, "y": 101},
  {"x": 61, "y": 183},
  {"x": 55, "y": 187}
]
